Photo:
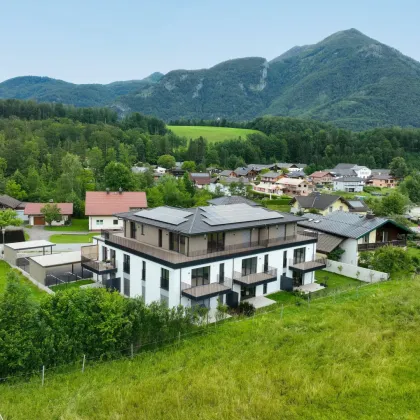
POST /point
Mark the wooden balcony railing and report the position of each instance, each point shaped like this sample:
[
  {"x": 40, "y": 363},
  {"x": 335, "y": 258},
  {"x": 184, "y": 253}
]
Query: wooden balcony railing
[{"x": 374, "y": 245}]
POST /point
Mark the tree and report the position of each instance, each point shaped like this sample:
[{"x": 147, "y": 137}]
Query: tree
[
  {"x": 166, "y": 161},
  {"x": 398, "y": 167},
  {"x": 118, "y": 176},
  {"x": 9, "y": 217},
  {"x": 15, "y": 190},
  {"x": 95, "y": 161},
  {"x": 188, "y": 166},
  {"x": 392, "y": 204},
  {"x": 51, "y": 212},
  {"x": 411, "y": 187},
  {"x": 389, "y": 259}
]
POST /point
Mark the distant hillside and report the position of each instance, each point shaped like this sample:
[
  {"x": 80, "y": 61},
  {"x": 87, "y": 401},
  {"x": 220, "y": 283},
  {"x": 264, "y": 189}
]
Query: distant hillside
[{"x": 347, "y": 79}]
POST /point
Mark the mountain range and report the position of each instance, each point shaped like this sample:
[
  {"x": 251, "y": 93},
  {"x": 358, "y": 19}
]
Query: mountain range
[{"x": 347, "y": 79}]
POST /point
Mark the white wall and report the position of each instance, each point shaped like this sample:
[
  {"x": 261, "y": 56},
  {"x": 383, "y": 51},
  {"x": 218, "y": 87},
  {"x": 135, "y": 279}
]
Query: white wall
[
  {"x": 108, "y": 223},
  {"x": 365, "y": 274},
  {"x": 350, "y": 248},
  {"x": 60, "y": 223}
]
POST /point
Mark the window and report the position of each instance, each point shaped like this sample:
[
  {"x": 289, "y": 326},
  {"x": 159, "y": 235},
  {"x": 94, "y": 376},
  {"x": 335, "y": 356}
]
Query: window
[
  {"x": 126, "y": 287},
  {"x": 284, "y": 259},
  {"x": 265, "y": 263},
  {"x": 330, "y": 209},
  {"x": 104, "y": 253},
  {"x": 164, "y": 300},
  {"x": 143, "y": 270},
  {"x": 133, "y": 230},
  {"x": 265, "y": 289},
  {"x": 142, "y": 229},
  {"x": 299, "y": 255},
  {"x": 173, "y": 241},
  {"x": 215, "y": 242},
  {"x": 249, "y": 266},
  {"x": 365, "y": 239},
  {"x": 115, "y": 221},
  {"x": 182, "y": 243},
  {"x": 160, "y": 239},
  {"x": 99, "y": 222},
  {"x": 126, "y": 265},
  {"x": 164, "y": 279},
  {"x": 222, "y": 273},
  {"x": 200, "y": 276}
]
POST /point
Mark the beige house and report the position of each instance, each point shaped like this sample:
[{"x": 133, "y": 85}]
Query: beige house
[
  {"x": 322, "y": 177},
  {"x": 324, "y": 203},
  {"x": 382, "y": 181},
  {"x": 295, "y": 187}
]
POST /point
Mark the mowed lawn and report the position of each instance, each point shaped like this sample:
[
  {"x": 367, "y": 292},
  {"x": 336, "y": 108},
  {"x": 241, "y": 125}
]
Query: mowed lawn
[
  {"x": 4, "y": 269},
  {"x": 72, "y": 285},
  {"x": 68, "y": 238},
  {"x": 211, "y": 134},
  {"x": 357, "y": 356},
  {"x": 77, "y": 225}
]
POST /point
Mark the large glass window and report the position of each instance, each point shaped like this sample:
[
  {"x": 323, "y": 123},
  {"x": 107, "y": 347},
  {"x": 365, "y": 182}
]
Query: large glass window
[
  {"x": 164, "y": 278},
  {"x": 173, "y": 241},
  {"x": 126, "y": 287},
  {"x": 143, "y": 270},
  {"x": 126, "y": 265},
  {"x": 249, "y": 266},
  {"x": 200, "y": 276},
  {"x": 299, "y": 255},
  {"x": 215, "y": 241},
  {"x": 133, "y": 230}
]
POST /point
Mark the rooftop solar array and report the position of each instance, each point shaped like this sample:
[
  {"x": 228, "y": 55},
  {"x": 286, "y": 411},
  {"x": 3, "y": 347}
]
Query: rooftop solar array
[
  {"x": 236, "y": 213},
  {"x": 165, "y": 215}
]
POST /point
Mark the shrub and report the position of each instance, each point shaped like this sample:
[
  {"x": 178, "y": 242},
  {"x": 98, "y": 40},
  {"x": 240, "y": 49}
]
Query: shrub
[
  {"x": 246, "y": 308},
  {"x": 390, "y": 259}
]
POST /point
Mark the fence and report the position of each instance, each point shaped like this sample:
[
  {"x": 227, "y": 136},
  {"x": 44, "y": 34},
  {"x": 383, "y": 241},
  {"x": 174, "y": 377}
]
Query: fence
[
  {"x": 356, "y": 272},
  {"x": 299, "y": 300}
]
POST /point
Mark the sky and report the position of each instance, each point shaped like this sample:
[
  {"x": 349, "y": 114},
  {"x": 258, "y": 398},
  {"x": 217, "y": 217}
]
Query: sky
[{"x": 101, "y": 41}]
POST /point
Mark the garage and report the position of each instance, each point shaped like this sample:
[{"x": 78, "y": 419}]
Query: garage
[{"x": 39, "y": 220}]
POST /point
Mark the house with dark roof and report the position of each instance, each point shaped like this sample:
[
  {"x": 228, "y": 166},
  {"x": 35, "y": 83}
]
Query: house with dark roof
[
  {"x": 272, "y": 177},
  {"x": 357, "y": 206},
  {"x": 350, "y": 169},
  {"x": 324, "y": 203},
  {"x": 226, "y": 173},
  {"x": 257, "y": 167},
  {"x": 200, "y": 179},
  {"x": 245, "y": 173},
  {"x": 101, "y": 206},
  {"x": 291, "y": 167},
  {"x": 353, "y": 233},
  {"x": 203, "y": 255},
  {"x": 7, "y": 202},
  {"x": 348, "y": 184},
  {"x": 36, "y": 217}
]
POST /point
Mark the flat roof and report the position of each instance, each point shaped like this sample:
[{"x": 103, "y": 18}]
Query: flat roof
[
  {"x": 54, "y": 260},
  {"x": 29, "y": 245}
]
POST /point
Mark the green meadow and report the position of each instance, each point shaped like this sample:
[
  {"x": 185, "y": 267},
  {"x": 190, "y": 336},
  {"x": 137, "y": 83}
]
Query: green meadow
[
  {"x": 352, "y": 355},
  {"x": 212, "y": 134}
]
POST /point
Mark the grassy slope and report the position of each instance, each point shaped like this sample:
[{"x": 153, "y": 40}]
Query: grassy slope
[
  {"x": 4, "y": 269},
  {"x": 356, "y": 358},
  {"x": 212, "y": 134},
  {"x": 77, "y": 225},
  {"x": 72, "y": 239}
]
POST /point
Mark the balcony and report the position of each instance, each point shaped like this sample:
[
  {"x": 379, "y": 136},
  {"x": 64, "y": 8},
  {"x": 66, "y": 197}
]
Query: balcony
[
  {"x": 173, "y": 257},
  {"x": 255, "y": 279},
  {"x": 91, "y": 262},
  {"x": 374, "y": 245},
  {"x": 308, "y": 266},
  {"x": 206, "y": 291}
]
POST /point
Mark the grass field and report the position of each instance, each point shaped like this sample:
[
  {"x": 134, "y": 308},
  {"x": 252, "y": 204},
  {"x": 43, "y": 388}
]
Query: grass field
[
  {"x": 355, "y": 356},
  {"x": 72, "y": 285},
  {"x": 335, "y": 280},
  {"x": 72, "y": 239},
  {"x": 211, "y": 134},
  {"x": 77, "y": 225},
  {"x": 4, "y": 269}
]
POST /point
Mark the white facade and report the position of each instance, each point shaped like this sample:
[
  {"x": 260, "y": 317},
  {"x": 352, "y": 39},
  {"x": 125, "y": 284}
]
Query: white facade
[
  {"x": 151, "y": 291},
  {"x": 362, "y": 171},
  {"x": 348, "y": 186},
  {"x": 105, "y": 222},
  {"x": 60, "y": 223}
]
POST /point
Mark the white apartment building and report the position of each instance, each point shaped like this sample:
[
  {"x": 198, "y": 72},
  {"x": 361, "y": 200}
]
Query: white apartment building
[
  {"x": 201, "y": 255},
  {"x": 348, "y": 184}
]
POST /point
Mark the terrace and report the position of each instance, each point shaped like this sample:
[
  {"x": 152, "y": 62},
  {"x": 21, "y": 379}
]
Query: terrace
[
  {"x": 91, "y": 261},
  {"x": 254, "y": 279},
  {"x": 206, "y": 290}
]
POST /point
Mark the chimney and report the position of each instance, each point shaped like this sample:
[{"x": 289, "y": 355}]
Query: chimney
[
  {"x": 120, "y": 190},
  {"x": 370, "y": 216},
  {"x": 107, "y": 190}
]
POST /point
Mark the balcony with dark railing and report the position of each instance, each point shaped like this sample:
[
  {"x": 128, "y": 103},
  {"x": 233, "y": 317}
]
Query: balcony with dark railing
[
  {"x": 91, "y": 261},
  {"x": 222, "y": 286},
  {"x": 375, "y": 245},
  {"x": 267, "y": 275},
  {"x": 176, "y": 258},
  {"x": 308, "y": 266}
]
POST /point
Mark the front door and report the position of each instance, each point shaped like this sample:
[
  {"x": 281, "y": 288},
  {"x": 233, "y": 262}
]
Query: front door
[{"x": 297, "y": 279}]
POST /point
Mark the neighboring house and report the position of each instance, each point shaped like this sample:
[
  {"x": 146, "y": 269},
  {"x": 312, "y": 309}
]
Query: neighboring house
[
  {"x": 102, "y": 205},
  {"x": 291, "y": 167},
  {"x": 256, "y": 167},
  {"x": 271, "y": 177},
  {"x": 139, "y": 169},
  {"x": 245, "y": 173},
  {"x": 350, "y": 169},
  {"x": 267, "y": 188},
  {"x": 382, "y": 181},
  {"x": 200, "y": 179},
  {"x": 204, "y": 255},
  {"x": 7, "y": 202},
  {"x": 348, "y": 184},
  {"x": 213, "y": 170},
  {"x": 322, "y": 177},
  {"x": 36, "y": 218},
  {"x": 324, "y": 203},
  {"x": 353, "y": 233},
  {"x": 233, "y": 199},
  {"x": 296, "y": 174},
  {"x": 294, "y": 187},
  {"x": 160, "y": 170},
  {"x": 227, "y": 173},
  {"x": 380, "y": 172},
  {"x": 177, "y": 173}
]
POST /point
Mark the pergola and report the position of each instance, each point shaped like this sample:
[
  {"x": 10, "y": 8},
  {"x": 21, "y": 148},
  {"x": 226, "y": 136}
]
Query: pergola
[{"x": 12, "y": 250}]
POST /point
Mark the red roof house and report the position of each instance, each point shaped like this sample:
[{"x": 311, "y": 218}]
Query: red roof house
[
  {"x": 33, "y": 211},
  {"x": 101, "y": 206}
]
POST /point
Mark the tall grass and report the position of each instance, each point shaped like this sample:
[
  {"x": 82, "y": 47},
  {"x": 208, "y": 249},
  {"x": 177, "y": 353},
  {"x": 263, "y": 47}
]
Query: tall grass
[{"x": 356, "y": 355}]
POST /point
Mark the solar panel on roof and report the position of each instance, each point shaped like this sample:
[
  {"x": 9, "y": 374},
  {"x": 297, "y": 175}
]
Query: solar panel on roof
[
  {"x": 356, "y": 204},
  {"x": 165, "y": 215}
]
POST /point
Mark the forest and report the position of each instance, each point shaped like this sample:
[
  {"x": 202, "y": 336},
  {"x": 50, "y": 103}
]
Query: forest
[{"x": 51, "y": 151}]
